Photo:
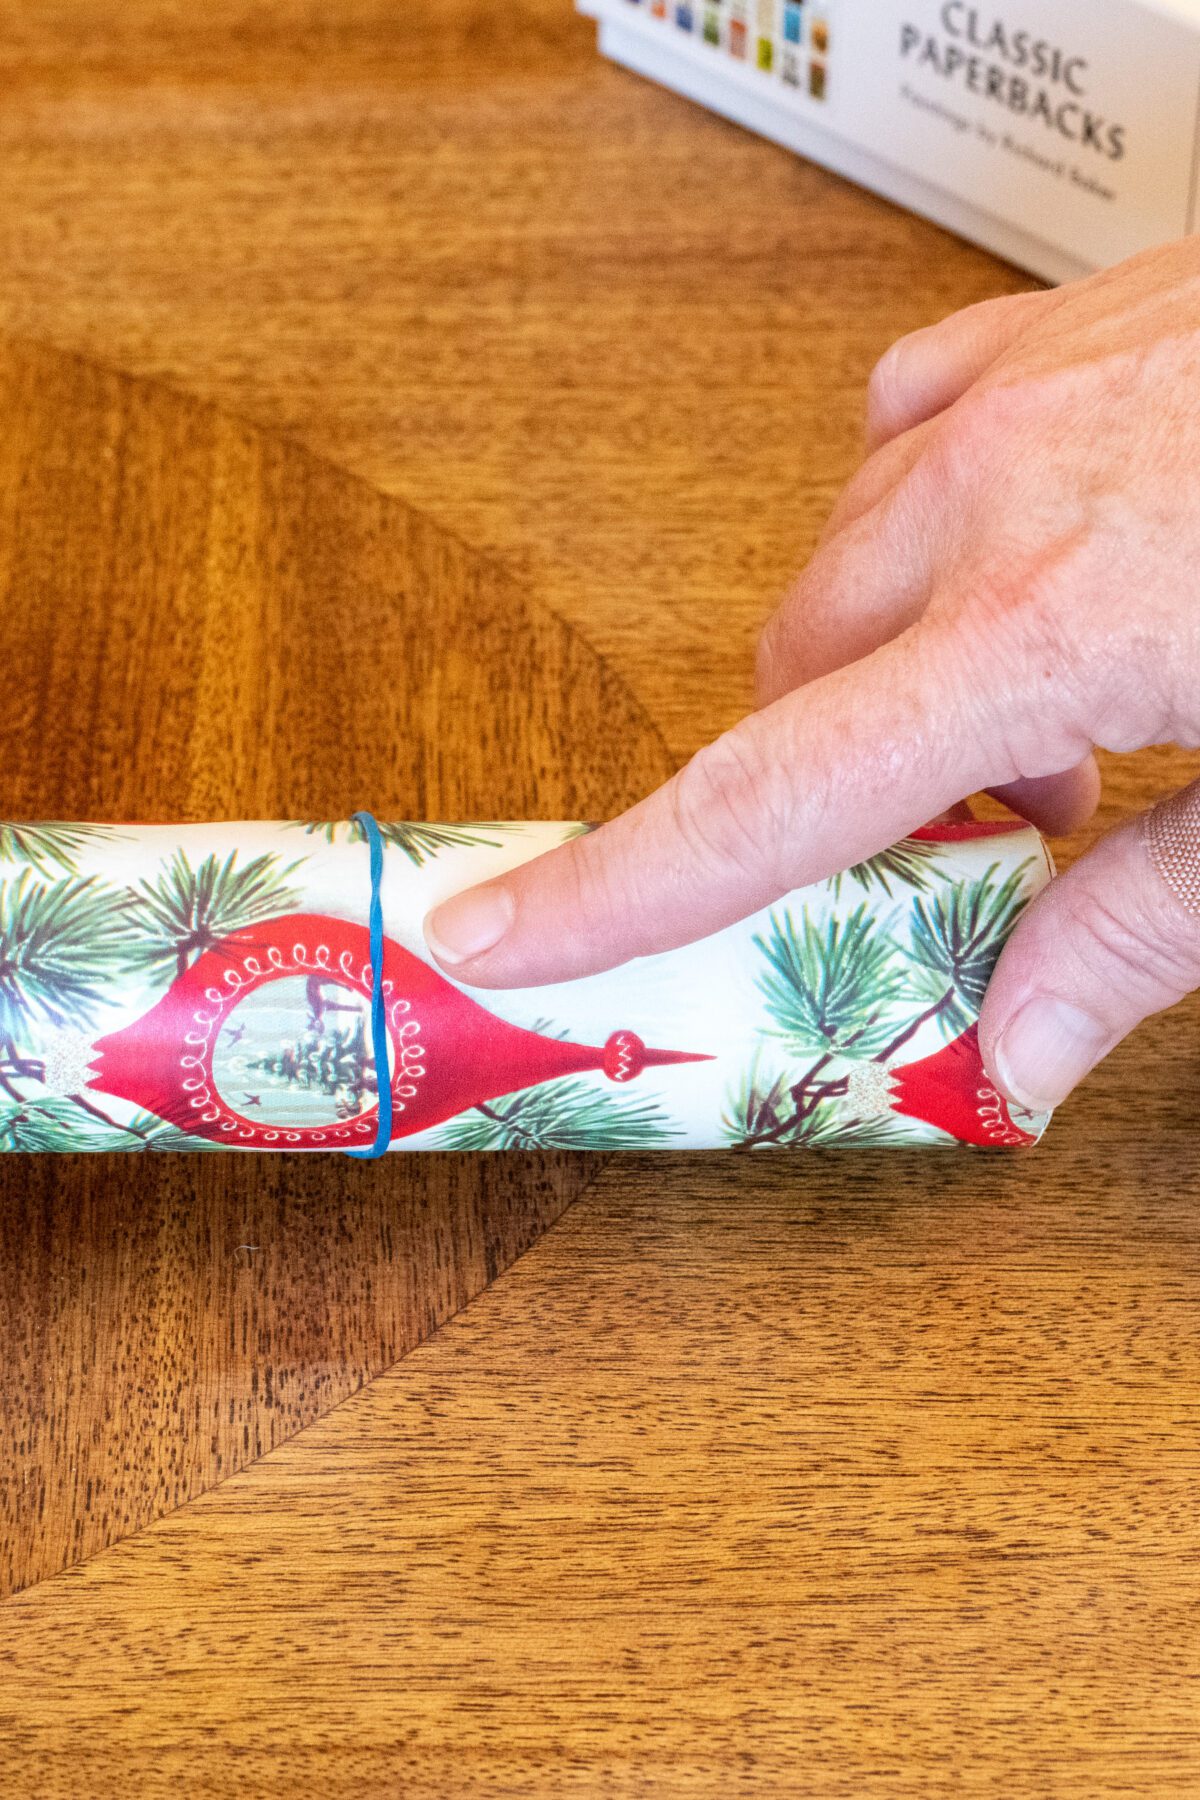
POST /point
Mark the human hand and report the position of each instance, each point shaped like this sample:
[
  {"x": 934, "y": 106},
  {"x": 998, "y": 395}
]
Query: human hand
[{"x": 1012, "y": 578}]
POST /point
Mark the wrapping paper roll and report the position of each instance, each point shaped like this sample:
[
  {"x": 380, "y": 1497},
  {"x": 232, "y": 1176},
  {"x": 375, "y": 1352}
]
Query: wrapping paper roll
[{"x": 191, "y": 987}]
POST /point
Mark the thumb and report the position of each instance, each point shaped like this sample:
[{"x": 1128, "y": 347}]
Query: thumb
[{"x": 1112, "y": 941}]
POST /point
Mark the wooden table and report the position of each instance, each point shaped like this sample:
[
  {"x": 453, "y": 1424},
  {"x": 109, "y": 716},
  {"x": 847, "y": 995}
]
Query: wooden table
[{"x": 857, "y": 1475}]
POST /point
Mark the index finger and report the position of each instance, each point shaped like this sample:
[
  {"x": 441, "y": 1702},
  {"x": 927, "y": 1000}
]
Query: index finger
[{"x": 820, "y": 780}]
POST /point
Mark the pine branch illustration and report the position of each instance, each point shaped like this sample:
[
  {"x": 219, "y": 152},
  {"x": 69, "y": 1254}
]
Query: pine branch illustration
[
  {"x": 909, "y": 864},
  {"x": 835, "y": 987},
  {"x": 827, "y": 1127},
  {"x": 778, "y": 1114},
  {"x": 758, "y": 1108},
  {"x": 157, "y": 1134},
  {"x": 957, "y": 937},
  {"x": 185, "y": 911},
  {"x": 564, "y": 1115},
  {"x": 419, "y": 841},
  {"x": 48, "y": 844},
  {"x": 62, "y": 947},
  {"x": 843, "y": 992},
  {"x": 54, "y": 1124},
  {"x": 66, "y": 1124}
]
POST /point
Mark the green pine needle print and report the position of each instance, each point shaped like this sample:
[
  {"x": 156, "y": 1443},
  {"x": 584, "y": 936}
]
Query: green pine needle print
[
  {"x": 146, "y": 1131},
  {"x": 49, "y": 1123},
  {"x": 185, "y": 911},
  {"x": 53, "y": 1124},
  {"x": 757, "y": 1108},
  {"x": 786, "y": 1114},
  {"x": 958, "y": 935},
  {"x": 828, "y": 1128},
  {"x": 48, "y": 844},
  {"x": 419, "y": 842},
  {"x": 833, "y": 987},
  {"x": 62, "y": 948},
  {"x": 906, "y": 863},
  {"x": 563, "y": 1115},
  {"x": 65, "y": 1125}
]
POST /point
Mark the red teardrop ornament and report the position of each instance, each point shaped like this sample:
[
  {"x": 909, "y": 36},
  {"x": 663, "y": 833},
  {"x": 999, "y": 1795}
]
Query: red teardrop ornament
[
  {"x": 269, "y": 1028},
  {"x": 951, "y": 1090}
]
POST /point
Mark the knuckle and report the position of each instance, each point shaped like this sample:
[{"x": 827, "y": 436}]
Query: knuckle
[
  {"x": 780, "y": 659},
  {"x": 1036, "y": 603},
  {"x": 1084, "y": 667},
  {"x": 727, "y": 804},
  {"x": 1001, "y": 415},
  {"x": 1028, "y": 599},
  {"x": 978, "y": 427},
  {"x": 1138, "y": 957},
  {"x": 600, "y": 886},
  {"x": 769, "y": 661},
  {"x": 873, "y": 481},
  {"x": 887, "y": 388},
  {"x": 1037, "y": 719}
]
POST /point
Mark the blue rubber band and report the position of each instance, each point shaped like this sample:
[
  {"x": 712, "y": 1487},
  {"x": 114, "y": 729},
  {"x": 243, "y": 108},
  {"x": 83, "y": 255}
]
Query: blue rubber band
[{"x": 379, "y": 1032}]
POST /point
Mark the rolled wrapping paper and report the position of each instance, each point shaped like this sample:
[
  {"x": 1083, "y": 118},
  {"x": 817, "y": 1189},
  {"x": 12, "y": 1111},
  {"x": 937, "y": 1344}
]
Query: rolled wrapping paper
[{"x": 191, "y": 987}]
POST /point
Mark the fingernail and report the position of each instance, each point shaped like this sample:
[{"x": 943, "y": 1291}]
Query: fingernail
[
  {"x": 1046, "y": 1049},
  {"x": 469, "y": 924}
]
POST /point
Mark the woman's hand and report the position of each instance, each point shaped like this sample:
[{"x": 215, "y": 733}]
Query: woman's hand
[{"x": 1012, "y": 578}]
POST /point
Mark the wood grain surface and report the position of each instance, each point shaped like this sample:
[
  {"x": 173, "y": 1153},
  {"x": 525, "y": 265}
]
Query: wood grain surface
[
  {"x": 856, "y": 1476},
  {"x": 862, "y": 1475},
  {"x": 200, "y": 622},
  {"x": 584, "y": 325}
]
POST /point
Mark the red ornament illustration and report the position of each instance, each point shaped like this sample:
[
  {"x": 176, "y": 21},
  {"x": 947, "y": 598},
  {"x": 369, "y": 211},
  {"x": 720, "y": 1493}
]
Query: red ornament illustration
[
  {"x": 269, "y": 1028},
  {"x": 951, "y": 1090},
  {"x": 965, "y": 831}
]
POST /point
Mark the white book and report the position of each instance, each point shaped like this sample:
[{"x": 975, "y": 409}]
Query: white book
[{"x": 1062, "y": 135}]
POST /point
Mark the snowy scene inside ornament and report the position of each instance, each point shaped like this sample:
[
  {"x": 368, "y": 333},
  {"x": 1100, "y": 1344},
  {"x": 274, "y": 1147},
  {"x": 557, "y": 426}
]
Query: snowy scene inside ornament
[{"x": 298, "y": 1052}]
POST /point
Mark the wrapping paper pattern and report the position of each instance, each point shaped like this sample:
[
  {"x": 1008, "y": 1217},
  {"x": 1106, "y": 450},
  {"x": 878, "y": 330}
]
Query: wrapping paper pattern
[{"x": 200, "y": 987}]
